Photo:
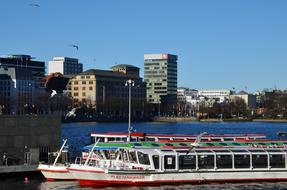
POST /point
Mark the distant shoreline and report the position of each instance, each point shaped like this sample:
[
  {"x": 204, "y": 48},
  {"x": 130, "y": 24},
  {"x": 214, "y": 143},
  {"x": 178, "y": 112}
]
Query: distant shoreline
[{"x": 192, "y": 119}]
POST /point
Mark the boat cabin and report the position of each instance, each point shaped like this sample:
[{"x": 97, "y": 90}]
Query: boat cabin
[{"x": 196, "y": 159}]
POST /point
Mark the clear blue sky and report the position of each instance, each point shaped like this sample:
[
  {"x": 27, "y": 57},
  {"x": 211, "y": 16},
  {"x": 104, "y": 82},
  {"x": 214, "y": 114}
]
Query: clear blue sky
[{"x": 221, "y": 44}]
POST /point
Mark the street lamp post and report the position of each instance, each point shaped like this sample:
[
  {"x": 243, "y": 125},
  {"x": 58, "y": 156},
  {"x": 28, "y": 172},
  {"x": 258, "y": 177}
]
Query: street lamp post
[{"x": 129, "y": 83}]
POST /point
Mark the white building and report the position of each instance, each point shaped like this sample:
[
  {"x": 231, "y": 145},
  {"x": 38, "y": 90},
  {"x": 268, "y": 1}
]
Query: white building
[
  {"x": 219, "y": 95},
  {"x": 65, "y": 65},
  {"x": 249, "y": 99}
]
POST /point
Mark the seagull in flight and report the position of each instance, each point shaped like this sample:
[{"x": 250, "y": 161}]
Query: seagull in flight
[
  {"x": 34, "y": 5},
  {"x": 75, "y": 46}
]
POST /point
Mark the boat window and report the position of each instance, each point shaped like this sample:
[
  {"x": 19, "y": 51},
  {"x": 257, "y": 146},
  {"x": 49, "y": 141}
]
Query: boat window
[
  {"x": 277, "y": 161},
  {"x": 187, "y": 162},
  {"x": 228, "y": 139},
  {"x": 110, "y": 154},
  {"x": 98, "y": 153},
  {"x": 143, "y": 158},
  {"x": 206, "y": 161},
  {"x": 169, "y": 144},
  {"x": 133, "y": 139},
  {"x": 163, "y": 138},
  {"x": 241, "y": 161},
  {"x": 150, "y": 139},
  {"x": 132, "y": 157},
  {"x": 111, "y": 139},
  {"x": 223, "y": 144},
  {"x": 182, "y": 144},
  {"x": 236, "y": 144},
  {"x": 101, "y": 139},
  {"x": 125, "y": 156},
  {"x": 210, "y": 144},
  {"x": 155, "y": 159},
  {"x": 118, "y": 139},
  {"x": 259, "y": 161},
  {"x": 223, "y": 161},
  {"x": 169, "y": 162}
]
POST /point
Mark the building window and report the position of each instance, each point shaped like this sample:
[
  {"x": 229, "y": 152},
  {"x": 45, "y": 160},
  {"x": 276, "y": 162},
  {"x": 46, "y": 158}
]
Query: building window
[
  {"x": 76, "y": 94},
  {"x": 83, "y": 82},
  {"x": 90, "y": 82},
  {"x": 90, "y": 88},
  {"x": 83, "y": 88},
  {"x": 83, "y": 94},
  {"x": 76, "y": 88},
  {"x": 75, "y": 82}
]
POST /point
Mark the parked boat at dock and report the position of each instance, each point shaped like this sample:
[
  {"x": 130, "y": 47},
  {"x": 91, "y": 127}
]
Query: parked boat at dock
[
  {"x": 139, "y": 136},
  {"x": 56, "y": 171},
  {"x": 156, "y": 166}
]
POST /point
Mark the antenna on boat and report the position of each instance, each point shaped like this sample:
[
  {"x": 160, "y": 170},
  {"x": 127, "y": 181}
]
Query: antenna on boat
[
  {"x": 196, "y": 142},
  {"x": 91, "y": 152},
  {"x": 59, "y": 152}
]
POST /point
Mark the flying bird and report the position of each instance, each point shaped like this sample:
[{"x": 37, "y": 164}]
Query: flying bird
[
  {"x": 75, "y": 46},
  {"x": 34, "y": 5},
  {"x": 54, "y": 92}
]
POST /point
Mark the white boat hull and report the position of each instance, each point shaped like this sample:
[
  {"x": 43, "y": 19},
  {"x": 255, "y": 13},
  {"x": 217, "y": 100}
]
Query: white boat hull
[
  {"x": 94, "y": 176},
  {"x": 58, "y": 172}
]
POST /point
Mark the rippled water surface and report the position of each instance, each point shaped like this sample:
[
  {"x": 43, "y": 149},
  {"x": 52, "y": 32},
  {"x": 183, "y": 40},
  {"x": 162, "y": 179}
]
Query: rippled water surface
[{"x": 78, "y": 135}]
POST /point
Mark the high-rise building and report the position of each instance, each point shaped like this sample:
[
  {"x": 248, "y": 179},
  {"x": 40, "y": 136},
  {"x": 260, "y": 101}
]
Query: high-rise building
[
  {"x": 16, "y": 89},
  {"x": 160, "y": 74},
  {"x": 65, "y": 65},
  {"x": 25, "y": 61}
]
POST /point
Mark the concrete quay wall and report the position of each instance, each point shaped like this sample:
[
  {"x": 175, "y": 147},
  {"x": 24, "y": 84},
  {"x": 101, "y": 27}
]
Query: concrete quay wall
[{"x": 28, "y": 139}]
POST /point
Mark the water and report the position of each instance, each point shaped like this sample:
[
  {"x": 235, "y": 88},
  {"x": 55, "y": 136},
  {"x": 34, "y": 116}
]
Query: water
[{"x": 78, "y": 135}]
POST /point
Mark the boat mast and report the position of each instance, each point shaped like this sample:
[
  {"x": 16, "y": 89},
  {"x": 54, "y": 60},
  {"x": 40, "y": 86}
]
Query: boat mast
[
  {"x": 91, "y": 152},
  {"x": 59, "y": 152}
]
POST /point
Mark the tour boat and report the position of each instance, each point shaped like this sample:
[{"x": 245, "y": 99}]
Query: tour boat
[
  {"x": 139, "y": 136},
  {"x": 56, "y": 171},
  {"x": 156, "y": 166}
]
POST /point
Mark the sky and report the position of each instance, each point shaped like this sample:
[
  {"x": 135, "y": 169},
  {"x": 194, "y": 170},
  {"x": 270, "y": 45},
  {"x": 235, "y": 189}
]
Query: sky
[{"x": 221, "y": 44}]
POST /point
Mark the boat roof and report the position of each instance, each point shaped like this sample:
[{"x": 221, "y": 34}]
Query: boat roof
[
  {"x": 185, "y": 145},
  {"x": 141, "y": 134}
]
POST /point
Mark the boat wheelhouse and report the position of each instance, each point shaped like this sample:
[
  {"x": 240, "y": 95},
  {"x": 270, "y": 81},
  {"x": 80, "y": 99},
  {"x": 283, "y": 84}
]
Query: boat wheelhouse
[
  {"x": 151, "y": 166},
  {"x": 137, "y": 136}
]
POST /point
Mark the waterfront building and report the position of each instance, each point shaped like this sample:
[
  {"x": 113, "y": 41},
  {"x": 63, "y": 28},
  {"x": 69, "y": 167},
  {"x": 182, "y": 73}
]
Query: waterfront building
[
  {"x": 220, "y": 96},
  {"x": 16, "y": 89},
  {"x": 28, "y": 139},
  {"x": 65, "y": 66},
  {"x": 249, "y": 99},
  {"x": 160, "y": 75},
  {"x": 26, "y": 62},
  {"x": 107, "y": 92}
]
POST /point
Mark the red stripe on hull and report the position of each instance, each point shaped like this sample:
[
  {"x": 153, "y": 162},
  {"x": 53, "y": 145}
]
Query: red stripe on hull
[
  {"x": 53, "y": 179},
  {"x": 106, "y": 183}
]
